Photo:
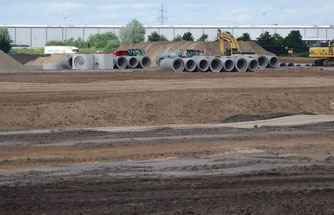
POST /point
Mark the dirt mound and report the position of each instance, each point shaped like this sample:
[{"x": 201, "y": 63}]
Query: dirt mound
[
  {"x": 8, "y": 64},
  {"x": 153, "y": 49},
  {"x": 54, "y": 58},
  {"x": 25, "y": 58}
]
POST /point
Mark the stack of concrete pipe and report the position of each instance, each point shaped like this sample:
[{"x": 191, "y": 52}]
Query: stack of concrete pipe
[
  {"x": 99, "y": 61},
  {"x": 219, "y": 63}
]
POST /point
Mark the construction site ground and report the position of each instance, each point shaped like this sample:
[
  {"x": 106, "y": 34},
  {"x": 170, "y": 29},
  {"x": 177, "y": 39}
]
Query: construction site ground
[{"x": 148, "y": 142}]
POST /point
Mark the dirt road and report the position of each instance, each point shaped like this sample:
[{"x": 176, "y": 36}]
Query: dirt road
[{"x": 267, "y": 170}]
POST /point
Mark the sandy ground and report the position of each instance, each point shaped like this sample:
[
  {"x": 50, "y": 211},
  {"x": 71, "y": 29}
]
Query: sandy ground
[{"x": 176, "y": 167}]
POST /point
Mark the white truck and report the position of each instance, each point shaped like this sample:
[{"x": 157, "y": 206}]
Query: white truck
[{"x": 60, "y": 50}]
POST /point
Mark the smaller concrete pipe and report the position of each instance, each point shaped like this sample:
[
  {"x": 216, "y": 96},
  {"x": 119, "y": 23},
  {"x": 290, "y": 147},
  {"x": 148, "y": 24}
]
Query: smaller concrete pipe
[
  {"x": 172, "y": 65},
  {"x": 291, "y": 64},
  {"x": 307, "y": 65},
  {"x": 51, "y": 66},
  {"x": 262, "y": 60},
  {"x": 283, "y": 65},
  {"x": 144, "y": 62},
  {"x": 227, "y": 64},
  {"x": 298, "y": 65},
  {"x": 189, "y": 64},
  {"x": 240, "y": 64},
  {"x": 252, "y": 64},
  {"x": 202, "y": 63},
  {"x": 132, "y": 62},
  {"x": 120, "y": 62},
  {"x": 273, "y": 61},
  {"x": 66, "y": 62},
  {"x": 216, "y": 64}
]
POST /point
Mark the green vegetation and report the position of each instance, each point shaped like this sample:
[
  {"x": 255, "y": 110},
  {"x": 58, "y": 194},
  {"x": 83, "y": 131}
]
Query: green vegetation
[
  {"x": 244, "y": 37},
  {"x": 5, "y": 41},
  {"x": 204, "y": 37},
  {"x": 293, "y": 40},
  {"x": 188, "y": 36},
  {"x": 154, "y": 36},
  {"x": 106, "y": 42},
  {"x": 178, "y": 38},
  {"x": 133, "y": 32},
  {"x": 28, "y": 50}
]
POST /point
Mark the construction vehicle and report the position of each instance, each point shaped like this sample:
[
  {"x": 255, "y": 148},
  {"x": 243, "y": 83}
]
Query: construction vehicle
[
  {"x": 323, "y": 51},
  {"x": 129, "y": 52},
  {"x": 279, "y": 50},
  {"x": 178, "y": 53},
  {"x": 235, "y": 48}
]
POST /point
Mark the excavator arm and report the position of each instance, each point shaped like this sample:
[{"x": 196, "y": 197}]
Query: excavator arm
[{"x": 235, "y": 49}]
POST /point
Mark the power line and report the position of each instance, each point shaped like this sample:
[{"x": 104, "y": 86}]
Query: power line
[{"x": 161, "y": 15}]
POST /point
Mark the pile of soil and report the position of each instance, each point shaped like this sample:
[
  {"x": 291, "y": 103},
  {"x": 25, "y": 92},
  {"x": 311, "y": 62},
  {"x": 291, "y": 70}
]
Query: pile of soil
[
  {"x": 248, "y": 118},
  {"x": 25, "y": 58},
  {"x": 8, "y": 64},
  {"x": 153, "y": 49},
  {"x": 54, "y": 58}
]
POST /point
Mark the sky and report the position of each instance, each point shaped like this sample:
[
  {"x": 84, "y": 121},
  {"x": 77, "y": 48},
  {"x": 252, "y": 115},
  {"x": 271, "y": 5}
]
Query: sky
[{"x": 185, "y": 12}]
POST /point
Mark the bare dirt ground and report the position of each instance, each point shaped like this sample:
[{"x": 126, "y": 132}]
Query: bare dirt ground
[{"x": 166, "y": 169}]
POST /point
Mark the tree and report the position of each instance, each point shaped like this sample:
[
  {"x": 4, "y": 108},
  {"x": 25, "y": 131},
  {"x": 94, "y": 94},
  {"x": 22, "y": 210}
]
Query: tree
[
  {"x": 101, "y": 40},
  {"x": 244, "y": 37},
  {"x": 154, "y": 36},
  {"x": 178, "y": 38},
  {"x": 294, "y": 40},
  {"x": 188, "y": 36},
  {"x": 133, "y": 32},
  {"x": 277, "y": 40},
  {"x": 265, "y": 39},
  {"x": 204, "y": 37},
  {"x": 5, "y": 41}
]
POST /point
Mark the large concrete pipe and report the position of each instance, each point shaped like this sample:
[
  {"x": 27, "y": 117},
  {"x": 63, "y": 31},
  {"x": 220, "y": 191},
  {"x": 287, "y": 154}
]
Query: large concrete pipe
[
  {"x": 291, "y": 64},
  {"x": 263, "y": 61},
  {"x": 252, "y": 64},
  {"x": 172, "y": 65},
  {"x": 120, "y": 62},
  {"x": 131, "y": 61},
  {"x": 66, "y": 62},
  {"x": 144, "y": 62},
  {"x": 189, "y": 64},
  {"x": 273, "y": 61},
  {"x": 227, "y": 64},
  {"x": 216, "y": 64},
  {"x": 202, "y": 63},
  {"x": 240, "y": 64},
  {"x": 283, "y": 65}
]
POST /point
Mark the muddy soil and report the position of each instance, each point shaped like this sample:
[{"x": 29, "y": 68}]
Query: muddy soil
[{"x": 267, "y": 170}]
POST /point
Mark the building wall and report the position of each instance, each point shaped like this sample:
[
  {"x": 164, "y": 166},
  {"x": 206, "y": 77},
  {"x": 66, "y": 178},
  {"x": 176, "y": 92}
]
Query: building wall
[{"x": 38, "y": 35}]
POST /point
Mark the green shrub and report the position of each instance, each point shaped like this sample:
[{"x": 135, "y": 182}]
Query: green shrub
[
  {"x": 178, "y": 38},
  {"x": 244, "y": 37},
  {"x": 188, "y": 36},
  {"x": 154, "y": 36},
  {"x": 5, "y": 41},
  {"x": 204, "y": 37},
  {"x": 133, "y": 32}
]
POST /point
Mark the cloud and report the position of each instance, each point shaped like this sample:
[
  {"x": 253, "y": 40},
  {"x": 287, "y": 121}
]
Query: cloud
[
  {"x": 134, "y": 6},
  {"x": 61, "y": 6}
]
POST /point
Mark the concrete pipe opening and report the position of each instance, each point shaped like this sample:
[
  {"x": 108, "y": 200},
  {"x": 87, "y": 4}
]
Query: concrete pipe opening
[
  {"x": 298, "y": 65},
  {"x": 307, "y": 64},
  {"x": 273, "y": 61},
  {"x": 144, "y": 62},
  {"x": 252, "y": 65},
  {"x": 216, "y": 65},
  {"x": 203, "y": 64},
  {"x": 132, "y": 62},
  {"x": 282, "y": 64},
  {"x": 190, "y": 64},
  {"x": 263, "y": 61},
  {"x": 291, "y": 64},
  {"x": 229, "y": 65},
  {"x": 172, "y": 65},
  {"x": 241, "y": 64},
  {"x": 121, "y": 62}
]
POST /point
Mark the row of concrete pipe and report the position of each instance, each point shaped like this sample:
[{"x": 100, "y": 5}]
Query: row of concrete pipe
[
  {"x": 219, "y": 63},
  {"x": 118, "y": 62}
]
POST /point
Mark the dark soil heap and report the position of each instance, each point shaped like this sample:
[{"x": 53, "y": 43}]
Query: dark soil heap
[{"x": 8, "y": 64}]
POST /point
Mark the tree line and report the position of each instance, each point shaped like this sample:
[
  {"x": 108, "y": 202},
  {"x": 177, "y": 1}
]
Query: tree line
[{"x": 134, "y": 32}]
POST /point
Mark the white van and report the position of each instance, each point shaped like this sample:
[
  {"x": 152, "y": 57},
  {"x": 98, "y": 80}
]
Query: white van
[{"x": 60, "y": 50}]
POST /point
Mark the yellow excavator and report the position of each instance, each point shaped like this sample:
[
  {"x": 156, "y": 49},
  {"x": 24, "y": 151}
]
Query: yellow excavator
[
  {"x": 323, "y": 51},
  {"x": 235, "y": 48}
]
